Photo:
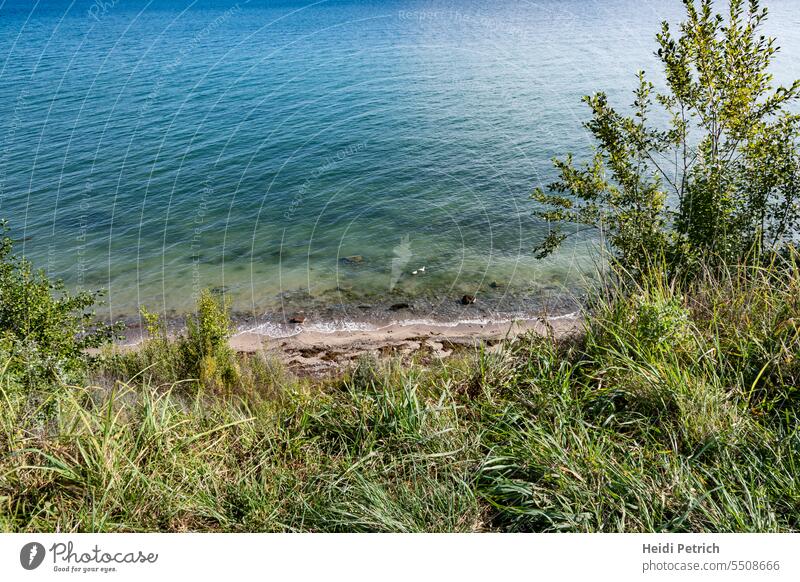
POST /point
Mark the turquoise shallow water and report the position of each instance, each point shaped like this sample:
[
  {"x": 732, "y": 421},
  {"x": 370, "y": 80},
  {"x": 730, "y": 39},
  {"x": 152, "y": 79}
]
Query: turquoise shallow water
[{"x": 155, "y": 148}]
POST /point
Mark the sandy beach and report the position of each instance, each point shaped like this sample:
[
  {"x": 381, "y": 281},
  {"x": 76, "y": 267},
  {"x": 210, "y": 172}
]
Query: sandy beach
[{"x": 317, "y": 352}]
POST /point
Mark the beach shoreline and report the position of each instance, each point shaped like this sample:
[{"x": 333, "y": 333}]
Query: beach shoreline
[
  {"x": 326, "y": 348},
  {"x": 319, "y": 337},
  {"x": 320, "y": 352}
]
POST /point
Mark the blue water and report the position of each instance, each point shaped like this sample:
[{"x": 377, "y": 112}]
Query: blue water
[{"x": 155, "y": 148}]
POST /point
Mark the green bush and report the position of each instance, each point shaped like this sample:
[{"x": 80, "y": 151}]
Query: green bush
[
  {"x": 206, "y": 347},
  {"x": 715, "y": 183},
  {"x": 649, "y": 314},
  {"x": 45, "y": 331},
  {"x": 202, "y": 354}
]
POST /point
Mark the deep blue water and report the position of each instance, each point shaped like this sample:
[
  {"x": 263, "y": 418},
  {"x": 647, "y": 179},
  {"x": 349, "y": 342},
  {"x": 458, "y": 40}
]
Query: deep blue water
[{"x": 154, "y": 148}]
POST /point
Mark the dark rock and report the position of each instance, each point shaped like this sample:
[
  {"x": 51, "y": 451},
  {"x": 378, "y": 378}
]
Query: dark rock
[
  {"x": 494, "y": 284},
  {"x": 299, "y": 318},
  {"x": 467, "y": 300},
  {"x": 399, "y": 306},
  {"x": 352, "y": 260}
]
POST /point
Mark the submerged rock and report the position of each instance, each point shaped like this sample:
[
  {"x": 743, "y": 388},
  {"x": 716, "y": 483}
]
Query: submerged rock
[
  {"x": 352, "y": 260},
  {"x": 468, "y": 300}
]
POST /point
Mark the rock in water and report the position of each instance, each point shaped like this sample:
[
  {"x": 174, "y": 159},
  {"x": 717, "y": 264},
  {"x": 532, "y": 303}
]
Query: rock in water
[
  {"x": 352, "y": 260},
  {"x": 468, "y": 300}
]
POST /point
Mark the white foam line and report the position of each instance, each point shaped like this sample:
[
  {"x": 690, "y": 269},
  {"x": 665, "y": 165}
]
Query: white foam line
[{"x": 571, "y": 315}]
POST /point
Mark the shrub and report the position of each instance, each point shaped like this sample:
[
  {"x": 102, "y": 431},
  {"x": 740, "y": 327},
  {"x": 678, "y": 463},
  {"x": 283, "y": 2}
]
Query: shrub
[
  {"x": 202, "y": 354},
  {"x": 719, "y": 180},
  {"x": 206, "y": 347},
  {"x": 648, "y": 313},
  {"x": 45, "y": 331}
]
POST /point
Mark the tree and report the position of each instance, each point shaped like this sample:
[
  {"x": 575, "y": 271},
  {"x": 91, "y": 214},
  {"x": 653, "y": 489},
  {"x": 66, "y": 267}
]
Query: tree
[{"x": 716, "y": 181}]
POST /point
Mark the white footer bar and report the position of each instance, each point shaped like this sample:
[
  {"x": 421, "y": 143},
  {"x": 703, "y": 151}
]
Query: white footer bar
[{"x": 352, "y": 557}]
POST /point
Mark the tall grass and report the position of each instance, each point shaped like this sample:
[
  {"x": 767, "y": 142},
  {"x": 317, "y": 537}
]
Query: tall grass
[
  {"x": 677, "y": 413},
  {"x": 359, "y": 456},
  {"x": 675, "y": 410}
]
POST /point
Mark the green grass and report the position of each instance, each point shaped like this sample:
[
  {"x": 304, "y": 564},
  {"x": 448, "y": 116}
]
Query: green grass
[{"x": 675, "y": 411}]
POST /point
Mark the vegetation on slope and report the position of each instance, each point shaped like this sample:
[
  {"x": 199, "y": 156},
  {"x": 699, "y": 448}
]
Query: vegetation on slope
[{"x": 675, "y": 411}]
